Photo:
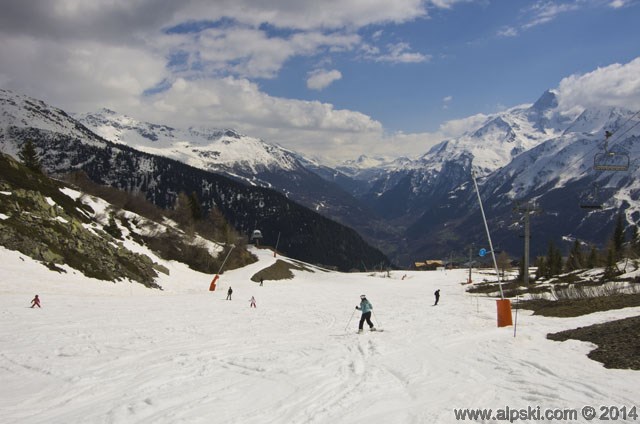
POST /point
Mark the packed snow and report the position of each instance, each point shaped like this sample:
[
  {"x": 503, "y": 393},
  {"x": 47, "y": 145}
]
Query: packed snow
[{"x": 103, "y": 352}]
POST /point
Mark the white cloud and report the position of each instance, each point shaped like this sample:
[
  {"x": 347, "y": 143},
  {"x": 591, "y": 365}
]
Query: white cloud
[
  {"x": 79, "y": 75},
  {"x": 446, "y": 101},
  {"x": 507, "y": 32},
  {"x": 613, "y": 85},
  {"x": 322, "y": 78},
  {"x": 309, "y": 127},
  {"x": 457, "y": 127},
  {"x": 617, "y": 4},
  {"x": 399, "y": 53},
  {"x": 546, "y": 11}
]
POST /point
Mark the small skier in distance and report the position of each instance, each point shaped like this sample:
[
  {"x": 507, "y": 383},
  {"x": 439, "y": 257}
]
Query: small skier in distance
[
  {"x": 35, "y": 302},
  {"x": 261, "y": 281},
  {"x": 366, "y": 307},
  {"x": 229, "y": 292},
  {"x": 253, "y": 302},
  {"x": 437, "y": 295}
]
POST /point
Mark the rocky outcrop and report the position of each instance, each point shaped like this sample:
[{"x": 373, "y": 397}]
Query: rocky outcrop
[{"x": 49, "y": 226}]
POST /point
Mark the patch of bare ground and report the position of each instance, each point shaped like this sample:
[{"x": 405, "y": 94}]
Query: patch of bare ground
[
  {"x": 618, "y": 342},
  {"x": 280, "y": 270},
  {"x": 577, "y": 307}
]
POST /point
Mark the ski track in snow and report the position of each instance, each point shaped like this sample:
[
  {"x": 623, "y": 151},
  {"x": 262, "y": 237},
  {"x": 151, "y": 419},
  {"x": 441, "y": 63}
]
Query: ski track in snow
[{"x": 119, "y": 353}]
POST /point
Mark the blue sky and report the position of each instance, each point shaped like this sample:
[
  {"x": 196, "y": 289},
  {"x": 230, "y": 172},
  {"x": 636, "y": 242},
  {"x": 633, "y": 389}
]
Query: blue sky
[{"x": 331, "y": 79}]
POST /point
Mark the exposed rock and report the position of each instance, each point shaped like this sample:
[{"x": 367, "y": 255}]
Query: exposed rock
[{"x": 49, "y": 228}]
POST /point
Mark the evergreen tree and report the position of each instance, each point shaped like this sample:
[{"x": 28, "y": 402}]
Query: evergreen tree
[
  {"x": 592, "y": 260},
  {"x": 182, "y": 212},
  {"x": 29, "y": 157},
  {"x": 504, "y": 263},
  {"x": 610, "y": 270},
  {"x": 195, "y": 206},
  {"x": 554, "y": 261},
  {"x": 541, "y": 267},
  {"x": 575, "y": 260},
  {"x": 618, "y": 237}
]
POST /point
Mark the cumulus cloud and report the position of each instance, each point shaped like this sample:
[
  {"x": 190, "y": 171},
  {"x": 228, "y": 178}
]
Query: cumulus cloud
[
  {"x": 79, "y": 75},
  {"x": 322, "y": 78},
  {"x": 457, "y": 127},
  {"x": 194, "y": 62},
  {"x": 306, "y": 126},
  {"x": 613, "y": 85}
]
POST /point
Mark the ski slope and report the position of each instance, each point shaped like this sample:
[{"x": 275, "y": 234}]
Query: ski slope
[{"x": 101, "y": 352}]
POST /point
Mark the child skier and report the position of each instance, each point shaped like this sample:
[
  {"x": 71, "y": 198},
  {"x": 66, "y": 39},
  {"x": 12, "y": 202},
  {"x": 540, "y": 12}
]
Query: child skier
[
  {"x": 366, "y": 308},
  {"x": 35, "y": 302},
  {"x": 253, "y": 302}
]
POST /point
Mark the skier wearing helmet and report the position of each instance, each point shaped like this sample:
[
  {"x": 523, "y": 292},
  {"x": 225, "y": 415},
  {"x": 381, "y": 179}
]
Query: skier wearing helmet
[{"x": 366, "y": 307}]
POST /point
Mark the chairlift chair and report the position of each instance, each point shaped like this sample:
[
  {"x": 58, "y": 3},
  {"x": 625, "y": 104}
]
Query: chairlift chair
[
  {"x": 611, "y": 160},
  {"x": 591, "y": 201}
]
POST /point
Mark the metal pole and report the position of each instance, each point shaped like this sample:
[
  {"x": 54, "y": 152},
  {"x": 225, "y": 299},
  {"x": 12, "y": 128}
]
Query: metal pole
[
  {"x": 225, "y": 260},
  {"x": 470, "y": 250},
  {"x": 376, "y": 317},
  {"x": 515, "y": 325},
  {"x": 352, "y": 314},
  {"x": 493, "y": 255},
  {"x": 277, "y": 242},
  {"x": 527, "y": 209},
  {"x": 527, "y": 237}
]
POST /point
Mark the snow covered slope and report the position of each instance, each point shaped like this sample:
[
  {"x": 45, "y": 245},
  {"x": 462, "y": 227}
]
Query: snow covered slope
[{"x": 118, "y": 353}]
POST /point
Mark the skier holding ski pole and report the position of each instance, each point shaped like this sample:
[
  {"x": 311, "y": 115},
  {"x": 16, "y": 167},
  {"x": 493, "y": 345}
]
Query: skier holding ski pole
[{"x": 366, "y": 307}]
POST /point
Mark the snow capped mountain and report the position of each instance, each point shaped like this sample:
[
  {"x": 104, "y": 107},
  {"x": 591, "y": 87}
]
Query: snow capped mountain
[
  {"x": 216, "y": 150},
  {"x": 411, "y": 208},
  {"x": 67, "y": 146},
  {"x": 23, "y": 112},
  {"x": 247, "y": 159},
  {"x": 534, "y": 152},
  {"x": 557, "y": 175},
  {"x": 502, "y": 137}
]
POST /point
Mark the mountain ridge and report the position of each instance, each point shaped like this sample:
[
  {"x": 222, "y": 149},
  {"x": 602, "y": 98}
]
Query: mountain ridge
[{"x": 68, "y": 146}]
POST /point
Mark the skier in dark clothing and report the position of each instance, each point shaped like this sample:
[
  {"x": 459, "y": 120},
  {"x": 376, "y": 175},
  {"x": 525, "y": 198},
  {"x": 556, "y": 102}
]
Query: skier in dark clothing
[
  {"x": 366, "y": 307},
  {"x": 437, "y": 295},
  {"x": 261, "y": 280},
  {"x": 229, "y": 293},
  {"x": 35, "y": 302}
]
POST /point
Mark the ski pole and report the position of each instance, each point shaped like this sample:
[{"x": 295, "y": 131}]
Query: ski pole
[
  {"x": 376, "y": 317},
  {"x": 352, "y": 314}
]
